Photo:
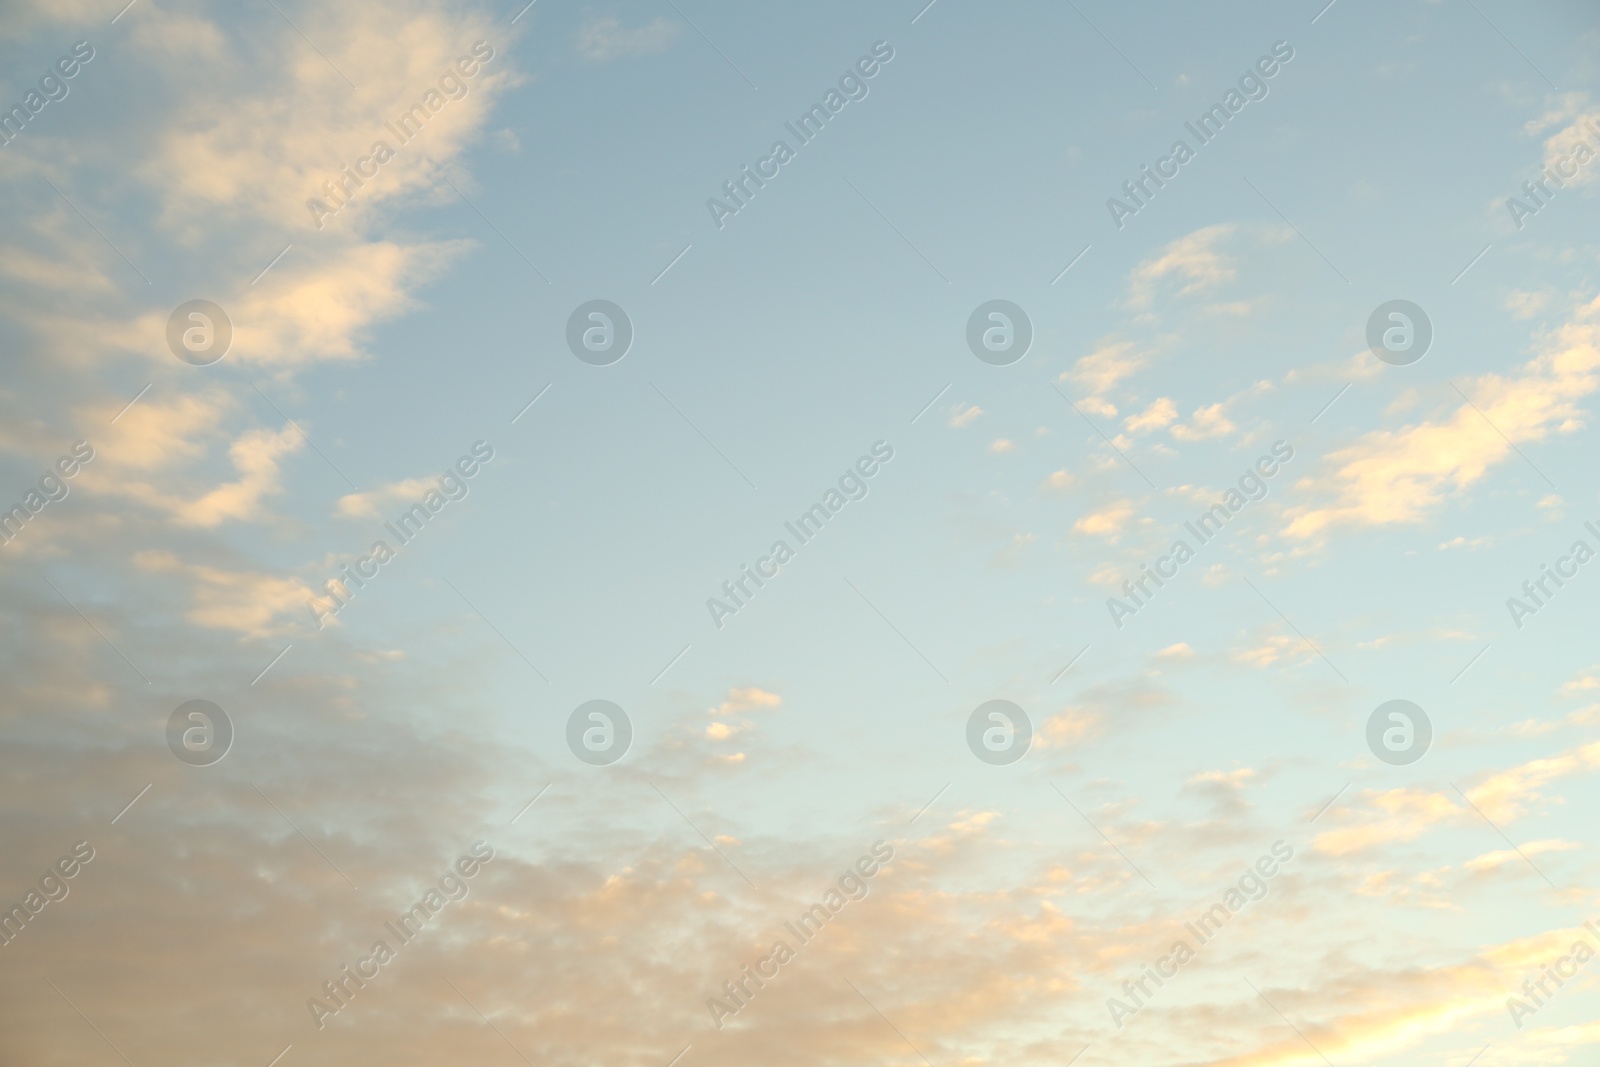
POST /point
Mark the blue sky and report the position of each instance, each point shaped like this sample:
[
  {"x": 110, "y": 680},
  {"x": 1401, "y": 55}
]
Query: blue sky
[{"x": 769, "y": 354}]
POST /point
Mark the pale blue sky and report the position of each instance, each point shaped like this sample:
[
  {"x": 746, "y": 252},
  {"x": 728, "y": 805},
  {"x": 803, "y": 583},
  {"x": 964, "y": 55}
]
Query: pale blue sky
[{"x": 823, "y": 317}]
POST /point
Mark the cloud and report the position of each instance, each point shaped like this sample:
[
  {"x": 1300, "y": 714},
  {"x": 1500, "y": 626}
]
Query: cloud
[
  {"x": 1582, "y": 127},
  {"x": 1194, "y": 258},
  {"x": 1492, "y": 861},
  {"x": 1161, "y": 412},
  {"x": 1108, "y": 522},
  {"x": 167, "y": 439},
  {"x": 244, "y": 602},
  {"x": 323, "y": 311},
  {"x": 1060, "y": 480},
  {"x": 1582, "y": 682},
  {"x": 962, "y": 415},
  {"x": 1211, "y": 421},
  {"x": 1272, "y": 648},
  {"x": 747, "y": 698},
  {"x": 1525, "y": 305},
  {"x": 255, "y": 456},
  {"x": 1400, "y": 476},
  {"x": 1101, "y": 370},
  {"x": 1391, "y": 816},
  {"x": 604, "y": 38},
  {"x": 1405, "y": 814},
  {"x": 281, "y": 120},
  {"x": 1506, "y": 796},
  {"x": 373, "y": 503}
]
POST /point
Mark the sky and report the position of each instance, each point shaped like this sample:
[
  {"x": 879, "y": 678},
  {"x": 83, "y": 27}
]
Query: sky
[{"x": 387, "y": 384}]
